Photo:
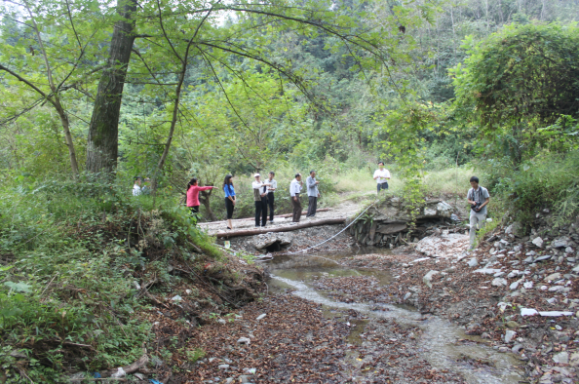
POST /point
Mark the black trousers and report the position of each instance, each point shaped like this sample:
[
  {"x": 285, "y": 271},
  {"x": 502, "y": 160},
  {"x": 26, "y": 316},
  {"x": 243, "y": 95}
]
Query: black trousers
[
  {"x": 297, "y": 209},
  {"x": 261, "y": 212},
  {"x": 194, "y": 209},
  {"x": 312, "y": 206},
  {"x": 270, "y": 201},
  {"x": 383, "y": 185},
  {"x": 229, "y": 207}
]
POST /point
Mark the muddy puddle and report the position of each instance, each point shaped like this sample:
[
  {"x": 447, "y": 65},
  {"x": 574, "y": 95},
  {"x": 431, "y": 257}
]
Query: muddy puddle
[{"x": 444, "y": 345}]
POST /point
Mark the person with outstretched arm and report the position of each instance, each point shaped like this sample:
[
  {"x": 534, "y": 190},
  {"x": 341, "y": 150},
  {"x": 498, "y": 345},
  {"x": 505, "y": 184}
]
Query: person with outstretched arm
[
  {"x": 313, "y": 194},
  {"x": 295, "y": 190},
  {"x": 382, "y": 175},
  {"x": 271, "y": 194},
  {"x": 193, "y": 195},
  {"x": 260, "y": 199},
  {"x": 230, "y": 199},
  {"x": 478, "y": 197}
]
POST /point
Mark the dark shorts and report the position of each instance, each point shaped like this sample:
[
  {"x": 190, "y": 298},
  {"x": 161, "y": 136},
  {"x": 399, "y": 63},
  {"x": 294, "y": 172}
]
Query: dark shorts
[
  {"x": 382, "y": 186},
  {"x": 194, "y": 209}
]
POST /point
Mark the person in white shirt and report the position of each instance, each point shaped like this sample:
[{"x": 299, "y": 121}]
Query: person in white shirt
[
  {"x": 260, "y": 199},
  {"x": 313, "y": 194},
  {"x": 271, "y": 194},
  {"x": 295, "y": 190},
  {"x": 381, "y": 176},
  {"x": 137, "y": 187}
]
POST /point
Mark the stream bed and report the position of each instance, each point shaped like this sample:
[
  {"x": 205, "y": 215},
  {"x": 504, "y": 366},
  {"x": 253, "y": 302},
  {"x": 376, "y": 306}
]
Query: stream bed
[{"x": 443, "y": 345}]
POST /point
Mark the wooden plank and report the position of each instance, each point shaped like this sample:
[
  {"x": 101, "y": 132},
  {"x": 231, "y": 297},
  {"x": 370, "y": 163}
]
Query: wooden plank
[{"x": 288, "y": 228}]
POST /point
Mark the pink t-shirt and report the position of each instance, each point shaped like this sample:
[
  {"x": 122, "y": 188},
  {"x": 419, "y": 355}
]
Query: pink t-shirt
[{"x": 193, "y": 195}]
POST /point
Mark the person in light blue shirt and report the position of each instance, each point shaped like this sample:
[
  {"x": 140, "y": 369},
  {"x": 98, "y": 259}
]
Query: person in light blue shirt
[{"x": 230, "y": 198}]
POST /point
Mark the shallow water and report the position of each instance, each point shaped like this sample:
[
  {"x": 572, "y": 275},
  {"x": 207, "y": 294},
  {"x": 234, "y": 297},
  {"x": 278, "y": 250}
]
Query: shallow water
[{"x": 439, "y": 337}]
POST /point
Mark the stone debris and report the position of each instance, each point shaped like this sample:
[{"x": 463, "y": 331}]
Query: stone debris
[{"x": 449, "y": 245}]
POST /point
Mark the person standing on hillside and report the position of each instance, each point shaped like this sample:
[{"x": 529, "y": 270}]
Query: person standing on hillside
[
  {"x": 260, "y": 198},
  {"x": 193, "y": 195},
  {"x": 382, "y": 175},
  {"x": 295, "y": 190},
  {"x": 313, "y": 194},
  {"x": 478, "y": 197},
  {"x": 271, "y": 194},
  {"x": 137, "y": 186},
  {"x": 230, "y": 198}
]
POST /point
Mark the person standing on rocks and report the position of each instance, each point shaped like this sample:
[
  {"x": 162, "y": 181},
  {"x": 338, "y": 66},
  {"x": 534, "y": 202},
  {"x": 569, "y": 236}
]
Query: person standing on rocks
[
  {"x": 313, "y": 194},
  {"x": 478, "y": 197},
  {"x": 271, "y": 194},
  {"x": 230, "y": 198},
  {"x": 260, "y": 199},
  {"x": 382, "y": 175},
  {"x": 295, "y": 190}
]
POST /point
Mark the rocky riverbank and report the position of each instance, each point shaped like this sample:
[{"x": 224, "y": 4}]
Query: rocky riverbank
[{"x": 519, "y": 294}]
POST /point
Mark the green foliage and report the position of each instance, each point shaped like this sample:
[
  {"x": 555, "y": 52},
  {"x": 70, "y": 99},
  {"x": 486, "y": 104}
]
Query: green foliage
[
  {"x": 546, "y": 181},
  {"x": 518, "y": 80}
]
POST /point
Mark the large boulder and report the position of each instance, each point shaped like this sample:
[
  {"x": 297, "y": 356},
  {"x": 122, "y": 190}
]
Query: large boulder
[
  {"x": 437, "y": 209},
  {"x": 449, "y": 245},
  {"x": 268, "y": 241}
]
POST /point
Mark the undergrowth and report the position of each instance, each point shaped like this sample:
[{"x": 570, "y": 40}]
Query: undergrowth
[{"x": 72, "y": 256}]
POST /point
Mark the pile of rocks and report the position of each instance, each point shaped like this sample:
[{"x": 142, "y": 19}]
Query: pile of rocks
[{"x": 389, "y": 223}]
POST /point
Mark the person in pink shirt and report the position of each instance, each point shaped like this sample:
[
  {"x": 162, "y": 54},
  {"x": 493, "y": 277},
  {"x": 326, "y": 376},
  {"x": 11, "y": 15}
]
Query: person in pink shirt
[{"x": 193, "y": 195}]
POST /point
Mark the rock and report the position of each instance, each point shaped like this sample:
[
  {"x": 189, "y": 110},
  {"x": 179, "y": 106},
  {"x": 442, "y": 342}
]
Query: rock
[
  {"x": 223, "y": 366},
  {"x": 487, "y": 271},
  {"x": 510, "y": 335},
  {"x": 562, "y": 242},
  {"x": 427, "y": 279},
  {"x": 499, "y": 282},
  {"x": 514, "y": 285},
  {"x": 512, "y": 324},
  {"x": 119, "y": 373},
  {"x": 561, "y": 358},
  {"x": 528, "y": 260},
  {"x": 440, "y": 209},
  {"x": 517, "y": 348},
  {"x": 407, "y": 296},
  {"x": 574, "y": 360},
  {"x": 244, "y": 340},
  {"x": 249, "y": 371},
  {"x": 515, "y": 230},
  {"x": 569, "y": 250},
  {"x": 538, "y": 242},
  {"x": 272, "y": 239},
  {"x": 473, "y": 262},
  {"x": 528, "y": 284},
  {"x": 261, "y": 316},
  {"x": 176, "y": 298},
  {"x": 576, "y": 269},
  {"x": 444, "y": 245},
  {"x": 454, "y": 217},
  {"x": 499, "y": 274},
  {"x": 503, "y": 349},
  {"x": 222, "y": 321},
  {"x": 552, "y": 277},
  {"x": 542, "y": 258}
]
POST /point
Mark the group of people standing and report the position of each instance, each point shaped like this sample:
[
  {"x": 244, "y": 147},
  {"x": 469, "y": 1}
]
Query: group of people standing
[{"x": 263, "y": 196}]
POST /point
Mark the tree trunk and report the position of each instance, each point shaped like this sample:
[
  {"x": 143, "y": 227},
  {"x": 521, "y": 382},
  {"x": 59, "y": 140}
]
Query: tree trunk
[
  {"x": 68, "y": 136},
  {"x": 205, "y": 199},
  {"x": 103, "y": 145},
  {"x": 289, "y": 228}
]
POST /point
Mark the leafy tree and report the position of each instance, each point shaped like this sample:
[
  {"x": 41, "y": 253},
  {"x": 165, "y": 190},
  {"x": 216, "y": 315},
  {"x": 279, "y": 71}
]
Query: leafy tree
[{"x": 518, "y": 80}]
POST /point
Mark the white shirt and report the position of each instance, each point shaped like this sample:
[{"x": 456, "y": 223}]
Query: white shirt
[
  {"x": 136, "y": 190},
  {"x": 273, "y": 185},
  {"x": 383, "y": 175},
  {"x": 259, "y": 185},
  {"x": 295, "y": 188}
]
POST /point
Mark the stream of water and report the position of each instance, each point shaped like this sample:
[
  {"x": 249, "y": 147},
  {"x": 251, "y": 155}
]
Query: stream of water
[{"x": 439, "y": 336}]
